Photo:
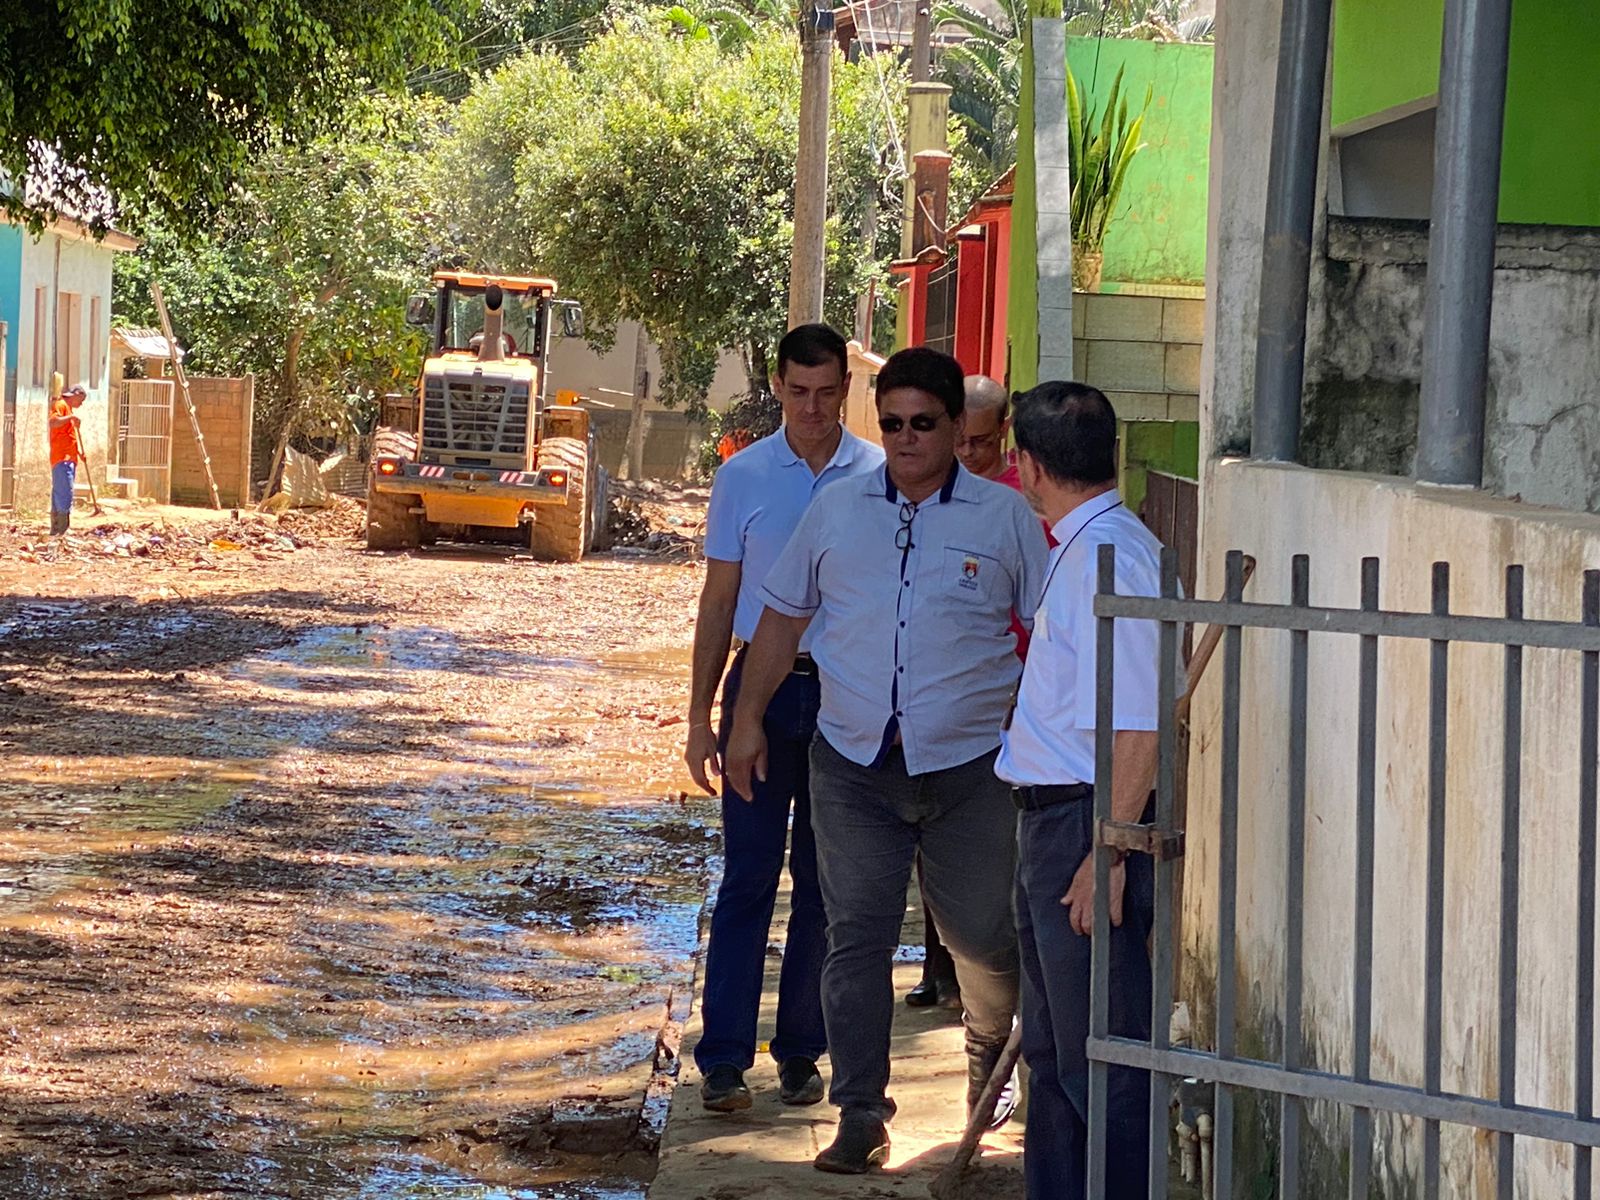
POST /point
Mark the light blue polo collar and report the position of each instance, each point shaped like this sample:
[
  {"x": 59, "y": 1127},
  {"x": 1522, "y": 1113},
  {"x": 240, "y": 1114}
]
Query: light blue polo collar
[{"x": 843, "y": 454}]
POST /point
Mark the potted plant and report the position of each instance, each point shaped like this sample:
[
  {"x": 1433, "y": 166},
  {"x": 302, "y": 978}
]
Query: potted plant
[{"x": 1101, "y": 145}]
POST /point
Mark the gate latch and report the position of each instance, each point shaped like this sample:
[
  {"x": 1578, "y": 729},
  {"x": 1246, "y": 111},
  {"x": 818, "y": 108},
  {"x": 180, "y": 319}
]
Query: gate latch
[{"x": 1162, "y": 845}]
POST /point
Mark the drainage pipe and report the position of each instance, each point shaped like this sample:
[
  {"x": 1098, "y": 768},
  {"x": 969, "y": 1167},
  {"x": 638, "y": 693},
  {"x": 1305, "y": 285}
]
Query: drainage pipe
[
  {"x": 1466, "y": 197},
  {"x": 1286, "y": 237}
]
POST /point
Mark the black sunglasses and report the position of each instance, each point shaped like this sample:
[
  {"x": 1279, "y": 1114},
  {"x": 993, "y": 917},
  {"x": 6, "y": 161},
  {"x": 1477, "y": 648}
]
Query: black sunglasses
[{"x": 922, "y": 423}]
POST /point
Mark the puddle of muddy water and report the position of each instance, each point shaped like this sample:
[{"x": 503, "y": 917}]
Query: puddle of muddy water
[
  {"x": 420, "y": 1180},
  {"x": 348, "y": 654}
]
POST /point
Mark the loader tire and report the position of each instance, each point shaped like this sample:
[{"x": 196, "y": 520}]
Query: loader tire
[
  {"x": 391, "y": 525},
  {"x": 559, "y": 531}
]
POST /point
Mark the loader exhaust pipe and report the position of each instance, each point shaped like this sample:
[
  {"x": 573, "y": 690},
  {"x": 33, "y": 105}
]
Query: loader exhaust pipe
[{"x": 492, "y": 348}]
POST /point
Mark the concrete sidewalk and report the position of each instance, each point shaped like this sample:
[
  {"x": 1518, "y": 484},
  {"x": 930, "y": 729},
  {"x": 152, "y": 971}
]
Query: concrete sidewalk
[{"x": 766, "y": 1153}]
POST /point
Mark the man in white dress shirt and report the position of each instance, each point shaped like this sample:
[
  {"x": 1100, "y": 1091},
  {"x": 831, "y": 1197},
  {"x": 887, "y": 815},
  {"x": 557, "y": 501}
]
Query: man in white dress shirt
[
  {"x": 912, "y": 574},
  {"x": 1066, "y": 454}
]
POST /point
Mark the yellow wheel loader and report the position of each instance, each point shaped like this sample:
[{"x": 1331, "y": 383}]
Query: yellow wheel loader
[{"x": 483, "y": 454}]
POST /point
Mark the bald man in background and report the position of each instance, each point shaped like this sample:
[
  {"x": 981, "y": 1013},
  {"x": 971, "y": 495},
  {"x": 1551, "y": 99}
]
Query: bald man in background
[{"x": 982, "y": 449}]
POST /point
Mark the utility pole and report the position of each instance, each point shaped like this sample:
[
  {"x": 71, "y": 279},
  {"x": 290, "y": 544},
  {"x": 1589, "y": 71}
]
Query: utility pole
[
  {"x": 922, "y": 43},
  {"x": 869, "y": 240},
  {"x": 636, "y": 418},
  {"x": 808, "y": 259}
]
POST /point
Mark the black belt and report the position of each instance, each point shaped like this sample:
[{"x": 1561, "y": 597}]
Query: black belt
[
  {"x": 804, "y": 664},
  {"x": 1032, "y": 798}
]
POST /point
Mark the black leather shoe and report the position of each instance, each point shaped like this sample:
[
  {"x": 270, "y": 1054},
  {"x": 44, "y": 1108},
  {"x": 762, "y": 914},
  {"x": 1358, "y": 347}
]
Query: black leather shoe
[
  {"x": 950, "y": 996},
  {"x": 799, "y": 1081},
  {"x": 724, "y": 1090},
  {"x": 924, "y": 995},
  {"x": 861, "y": 1144}
]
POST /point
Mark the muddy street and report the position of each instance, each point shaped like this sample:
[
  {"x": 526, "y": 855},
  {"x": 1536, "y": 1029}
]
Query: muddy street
[{"x": 334, "y": 874}]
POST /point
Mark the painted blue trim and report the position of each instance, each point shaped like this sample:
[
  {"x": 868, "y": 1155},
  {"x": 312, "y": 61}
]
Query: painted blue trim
[{"x": 11, "y": 291}]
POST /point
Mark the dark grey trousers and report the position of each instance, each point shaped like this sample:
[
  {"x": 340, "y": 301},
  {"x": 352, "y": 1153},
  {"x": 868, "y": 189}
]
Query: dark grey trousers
[{"x": 870, "y": 823}]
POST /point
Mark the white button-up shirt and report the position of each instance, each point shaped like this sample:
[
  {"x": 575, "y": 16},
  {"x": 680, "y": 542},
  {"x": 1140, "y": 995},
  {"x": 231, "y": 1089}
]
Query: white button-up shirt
[
  {"x": 914, "y": 642},
  {"x": 1051, "y": 739},
  {"x": 757, "y": 499}
]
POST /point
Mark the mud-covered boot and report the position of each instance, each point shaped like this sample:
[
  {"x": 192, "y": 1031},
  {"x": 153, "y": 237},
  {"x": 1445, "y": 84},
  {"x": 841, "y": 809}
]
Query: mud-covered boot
[
  {"x": 58, "y": 523},
  {"x": 981, "y": 1062}
]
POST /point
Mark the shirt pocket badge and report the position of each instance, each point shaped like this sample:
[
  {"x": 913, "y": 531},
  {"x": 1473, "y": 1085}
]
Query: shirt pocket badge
[{"x": 971, "y": 575}]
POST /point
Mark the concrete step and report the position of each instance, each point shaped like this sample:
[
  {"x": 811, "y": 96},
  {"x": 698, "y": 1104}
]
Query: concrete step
[{"x": 111, "y": 489}]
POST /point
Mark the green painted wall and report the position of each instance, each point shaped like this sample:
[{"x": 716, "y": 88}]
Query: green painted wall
[
  {"x": 1170, "y": 447},
  {"x": 1159, "y": 234},
  {"x": 1386, "y": 53}
]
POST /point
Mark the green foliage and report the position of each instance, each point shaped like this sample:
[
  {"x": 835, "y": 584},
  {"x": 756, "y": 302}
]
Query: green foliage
[
  {"x": 732, "y": 26},
  {"x": 1101, "y": 145},
  {"x": 985, "y": 72},
  {"x": 303, "y": 277},
  {"x": 495, "y": 31},
  {"x": 162, "y": 103},
  {"x": 653, "y": 177}
]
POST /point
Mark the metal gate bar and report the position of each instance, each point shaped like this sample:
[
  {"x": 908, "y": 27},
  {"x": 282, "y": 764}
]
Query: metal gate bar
[
  {"x": 1289, "y": 1078},
  {"x": 1366, "y": 856},
  {"x": 1588, "y": 750},
  {"x": 1294, "y": 884},
  {"x": 1433, "y": 920},
  {"x": 1510, "y": 885}
]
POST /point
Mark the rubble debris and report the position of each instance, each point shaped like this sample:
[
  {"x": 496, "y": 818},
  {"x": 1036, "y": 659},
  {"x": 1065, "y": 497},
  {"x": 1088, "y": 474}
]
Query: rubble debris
[
  {"x": 657, "y": 519},
  {"x": 203, "y": 545}
]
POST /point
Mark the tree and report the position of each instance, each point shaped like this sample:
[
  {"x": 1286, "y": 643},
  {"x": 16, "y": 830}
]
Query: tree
[
  {"x": 985, "y": 71},
  {"x": 652, "y": 176},
  {"x": 303, "y": 278},
  {"x": 160, "y": 104}
]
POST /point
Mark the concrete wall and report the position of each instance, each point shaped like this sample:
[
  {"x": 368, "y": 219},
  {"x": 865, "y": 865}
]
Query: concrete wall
[
  {"x": 82, "y": 266},
  {"x": 226, "y": 411},
  {"x": 1364, "y": 365},
  {"x": 1365, "y": 326},
  {"x": 1274, "y": 512},
  {"x": 1241, "y": 114},
  {"x": 607, "y": 379},
  {"x": 860, "y": 413},
  {"x": 1143, "y": 352},
  {"x": 672, "y": 441},
  {"x": 1158, "y": 234}
]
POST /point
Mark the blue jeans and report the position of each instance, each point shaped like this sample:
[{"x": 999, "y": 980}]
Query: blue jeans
[
  {"x": 754, "y": 835},
  {"x": 63, "y": 475},
  {"x": 870, "y": 823},
  {"x": 1052, "y": 842}
]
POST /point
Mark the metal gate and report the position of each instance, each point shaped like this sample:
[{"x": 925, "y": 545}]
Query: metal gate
[
  {"x": 144, "y": 436},
  {"x": 1290, "y": 1079},
  {"x": 939, "y": 328}
]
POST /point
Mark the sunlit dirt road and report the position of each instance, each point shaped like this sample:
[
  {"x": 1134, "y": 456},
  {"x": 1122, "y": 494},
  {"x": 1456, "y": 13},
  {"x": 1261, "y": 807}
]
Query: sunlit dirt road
[{"x": 331, "y": 874}]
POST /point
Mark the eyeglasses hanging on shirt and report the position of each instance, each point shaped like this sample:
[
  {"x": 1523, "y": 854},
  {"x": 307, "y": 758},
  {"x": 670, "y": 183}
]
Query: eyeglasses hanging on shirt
[{"x": 908, "y": 510}]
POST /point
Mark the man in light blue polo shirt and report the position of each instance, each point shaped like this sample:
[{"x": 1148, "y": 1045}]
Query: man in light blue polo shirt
[
  {"x": 756, "y": 502},
  {"x": 913, "y": 574}
]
